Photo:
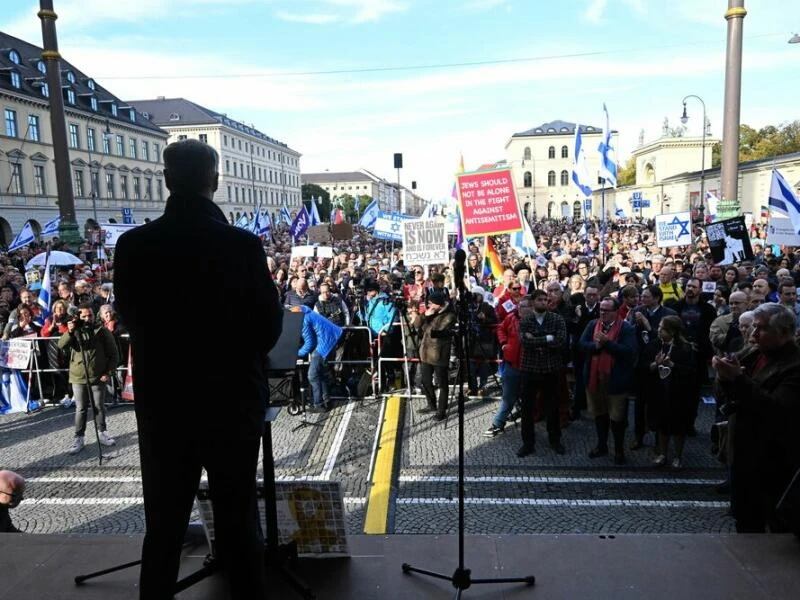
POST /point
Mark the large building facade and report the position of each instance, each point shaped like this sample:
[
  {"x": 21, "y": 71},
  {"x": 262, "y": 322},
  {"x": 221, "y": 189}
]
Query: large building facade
[
  {"x": 255, "y": 169},
  {"x": 114, "y": 152},
  {"x": 365, "y": 183}
]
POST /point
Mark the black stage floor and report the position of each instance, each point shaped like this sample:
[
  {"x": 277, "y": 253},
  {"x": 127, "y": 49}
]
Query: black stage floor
[{"x": 566, "y": 566}]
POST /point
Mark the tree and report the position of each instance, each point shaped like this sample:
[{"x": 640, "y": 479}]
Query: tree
[
  {"x": 309, "y": 190},
  {"x": 763, "y": 143},
  {"x": 627, "y": 174},
  {"x": 348, "y": 204}
]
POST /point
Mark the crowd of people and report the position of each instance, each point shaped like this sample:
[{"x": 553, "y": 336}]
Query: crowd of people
[{"x": 589, "y": 323}]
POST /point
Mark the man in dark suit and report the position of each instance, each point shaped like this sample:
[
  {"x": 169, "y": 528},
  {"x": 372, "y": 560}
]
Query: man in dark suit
[{"x": 201, "y": 389}]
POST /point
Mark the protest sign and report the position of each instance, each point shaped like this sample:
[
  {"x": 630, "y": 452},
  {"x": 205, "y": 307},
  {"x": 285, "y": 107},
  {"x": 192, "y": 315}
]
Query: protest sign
[
  {"x": 425, "y": 242},
  {"x": 342, "y": 231},
  {"x": 318, "y": 234},
  {"x": 488, "y": 203},
  {"x": 302, "y": 251},
  {"x": 113, "y": 231},
  {"x": 729, "y": 241},
  {"x": 674, "y": 229},
  {"x": 780, "y": 232},
  {"x": 388, "y": 226}
]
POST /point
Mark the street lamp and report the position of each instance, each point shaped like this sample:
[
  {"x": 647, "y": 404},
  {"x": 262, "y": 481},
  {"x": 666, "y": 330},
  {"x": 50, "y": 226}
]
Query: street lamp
[{"x": 684, "y": 120}]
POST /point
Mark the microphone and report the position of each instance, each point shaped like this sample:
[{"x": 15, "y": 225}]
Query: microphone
[{"x": 460, "y": 269}]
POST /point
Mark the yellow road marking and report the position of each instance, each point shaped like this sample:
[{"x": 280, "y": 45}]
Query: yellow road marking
[{"x": 380, "y": 490}]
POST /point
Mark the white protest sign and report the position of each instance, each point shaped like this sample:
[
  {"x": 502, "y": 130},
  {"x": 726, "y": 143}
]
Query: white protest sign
[
  {"x": 324, "y": 252},
  {"x": 709, "y": 287},
  {"x": 302, "y": 251},
  {"x": 674, "y": 229},
  {"x": 780, "y": 231},
  {"x": 113, "y": 231},
  {"x": 425, "y": 242},
  {"x": 16, "y": 353}
]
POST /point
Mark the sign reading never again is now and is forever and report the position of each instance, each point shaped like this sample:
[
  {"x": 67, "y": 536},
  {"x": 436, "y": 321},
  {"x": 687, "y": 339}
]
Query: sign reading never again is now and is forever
[
  {"x": 425, "y": 242},
  {"x": 488, "y": 203}
]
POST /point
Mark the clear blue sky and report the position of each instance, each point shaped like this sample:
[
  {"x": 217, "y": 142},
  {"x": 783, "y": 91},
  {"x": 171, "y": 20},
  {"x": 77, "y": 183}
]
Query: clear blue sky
[{"x": 260, "y": 61}]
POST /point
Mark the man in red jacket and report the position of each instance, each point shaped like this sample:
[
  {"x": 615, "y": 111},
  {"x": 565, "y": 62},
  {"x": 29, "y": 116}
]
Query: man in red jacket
[{"x": 508, "y": 336}]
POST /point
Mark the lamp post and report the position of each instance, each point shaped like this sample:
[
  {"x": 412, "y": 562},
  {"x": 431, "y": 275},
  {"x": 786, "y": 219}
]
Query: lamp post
[
  {"x": 684, "y": 120},
  {"x": 729, "y": 171}
]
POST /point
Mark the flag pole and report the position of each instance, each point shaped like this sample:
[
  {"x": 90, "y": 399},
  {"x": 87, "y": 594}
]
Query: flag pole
[{"x": 603, "y": 224}]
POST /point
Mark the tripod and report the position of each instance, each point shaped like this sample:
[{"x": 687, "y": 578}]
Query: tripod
[
  {"x": 462, "y": 577},
  {"x": 303, "y": 384}
]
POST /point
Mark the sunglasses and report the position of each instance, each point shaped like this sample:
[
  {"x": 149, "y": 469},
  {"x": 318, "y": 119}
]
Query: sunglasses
[{"x": 515, "y": 289}]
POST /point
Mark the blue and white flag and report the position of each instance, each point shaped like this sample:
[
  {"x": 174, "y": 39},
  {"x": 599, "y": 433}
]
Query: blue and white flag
[
  {"x": 357, "y": 203},
  {"x": 608, "y": 155},
  {"x": 583, "y": 233},
  {"x": 51, "y": 227},
  {"x": 314, "y": 214},
  {"x": 370, "y": 215},
  {"x": 712, "y": 202},
  {"x": 783, "y": 200},
  {"x": 580, "y": 170},
  {"x": 619, "y": 213},
  {"x": 44, "y": 294},
  {"x": 265, "y": 225},
  {"x": 285, "y": 216},
  {"x": 389, "y": 226},
  {"x": 242, "y": 222},
  {"x": 301, "y": 223},
  {"x": 523, "y": 241},
  {"x": 24, "y": 237}
]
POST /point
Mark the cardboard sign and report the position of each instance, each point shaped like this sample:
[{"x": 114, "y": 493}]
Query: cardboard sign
[
  {"x": 302, "y": 251},
  {"x": 488, "y": 203},
  {"x": 674, "y": 229},
  {"x": 729, "y": 241},
  {"x": 32, "y": 277},
  {"x": 16, "y": 353},
  {"x": 342, "y": 231},
  {"x": 425, "y": 242},
  {"x": 318, "y": 234}
]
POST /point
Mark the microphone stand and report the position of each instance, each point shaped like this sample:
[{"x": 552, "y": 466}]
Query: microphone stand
[{"x": 462, "y": 577}]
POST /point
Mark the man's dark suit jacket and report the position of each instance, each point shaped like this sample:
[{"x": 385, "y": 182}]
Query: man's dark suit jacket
[{"x": 200, "y": 346}]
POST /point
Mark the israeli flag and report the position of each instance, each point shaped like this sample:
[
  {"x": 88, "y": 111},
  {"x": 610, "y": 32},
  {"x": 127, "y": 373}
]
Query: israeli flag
[
  {"x": 24, "y": 237},
  {"x": 783, "y": 200},
  {"x": 314, "y": 214},
  {"x": 370, "y": 215},
  {"x": 523, "y": 241},
  {"x": 357, "y": 203},
  {"x": 619, "y": 213},
  {"x": 584, "y": 231},
  {"x": 265, "y": 227},
  {"x": 242, "y": 222},
  {"x": 300, "y": 224},
  {"x": 44, "y": 294},
  {"x": 285, "y": 216},
  {"x": 580, "y": 170},
  {"x": 51, "y": 227},
  {"x": 608, "y": 155},
  {"x": 712, "y": 202}
]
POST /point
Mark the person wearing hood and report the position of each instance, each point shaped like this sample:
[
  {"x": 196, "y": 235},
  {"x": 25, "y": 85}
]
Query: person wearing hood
[{"x": 320, "y": 338}]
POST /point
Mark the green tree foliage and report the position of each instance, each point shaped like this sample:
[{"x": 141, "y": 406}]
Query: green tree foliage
[
  {"x": 627, "y": 174},
  {"x": 763, "y": 143},
  {"x": 309, "y": 190},
  {"x": 348, "y": 204}
]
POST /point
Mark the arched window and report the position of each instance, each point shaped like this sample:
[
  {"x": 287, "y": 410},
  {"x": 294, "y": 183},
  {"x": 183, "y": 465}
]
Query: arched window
[
  {"x": 576, "y": 210},
  {"x": 551, "y": 152},
  {"x": 13, "y": 56},
  {"x": 551, "y": 178},
  {"x": 527, "y": 154},
  {"x": 564, "y": 152},
  {"x": 565, "y": 209},
  {"x": 565, "y": 177},
  {"x": 527, "y": 179},
  {"x": 551, "y": 207}
]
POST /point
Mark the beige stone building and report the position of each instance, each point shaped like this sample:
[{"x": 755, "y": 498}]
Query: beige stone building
[
  {"x": 363, "y": 183},
  {"x": 255, "y": 169},
  {"x": 114, "y": 152}
]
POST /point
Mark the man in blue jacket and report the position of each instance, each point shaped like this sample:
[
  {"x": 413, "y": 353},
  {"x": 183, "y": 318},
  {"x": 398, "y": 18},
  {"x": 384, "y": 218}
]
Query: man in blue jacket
[{"x": 320, "y": 338}]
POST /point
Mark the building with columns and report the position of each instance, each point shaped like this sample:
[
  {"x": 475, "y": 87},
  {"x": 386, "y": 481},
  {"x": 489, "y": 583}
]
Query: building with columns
[
  {"x": 366, "y": 183},
  {"x": 114, "y": 152},
  {"x": 255, "y": 169}
]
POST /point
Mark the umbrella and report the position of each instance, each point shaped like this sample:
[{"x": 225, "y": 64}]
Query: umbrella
[{"x": 57, "y": 258}]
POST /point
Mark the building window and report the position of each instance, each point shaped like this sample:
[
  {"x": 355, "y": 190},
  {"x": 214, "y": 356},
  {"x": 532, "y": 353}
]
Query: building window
[
  {"x": 564, "y": 178},
  {"x": 38, "y": 180},
  {"x": 148, "y": 188},
  {"x": 45, "y": 90},
  {"x": 109, "y": 185},
  {"x": 156, "y": 151},
  {"x": 160, "y": 186},
  {"x": 114, "y": 110},
  {"x": 13, "y": 56},
  {"x": 16, "y": 80},
  {"x": 123, "y": 186},
  {"x": 42, "y": 68},
  {"x": 90, "y": 84},
  {"x": 249, "y": 195},
  {"x": 204, "y": 138},
  {"x": 71, "y": 96},
  {"x": 240, "y": 144},
  {"x": 551, "y": 152},
  {"x": 106, "y": 144},
  {"x": 576, "y": 210},
  {"x": 174, "y": 117},
  {"x": 564, "y": 152},
  {"x": 95, "y": 187},
  {"x": 74, "y": 136},
  {"x": 11, "y": 123},
  {"x": 236, "y": 192},
  {"x": 230, "y": 194},
  {"x": 248, "y": 171},
  {"x": 120, "y": 146},
  {"x": 90, "y": 141},
  {"x": 132, "y": 147},
  {"x": 16, "y": 186},
  {"x": 70, "y": 76},
  {"x": 137, "y": 188},
  {"x": 182, "y": 137},
  {"x": 551, "y": 178},
  {"x": 145, "y": 150},
  {"x": 33, "y": 128},
  {"x": 527, "y": 179},
  {"x": 132, "y": 115},
  {"x": 93, "y": 103},
  {"x": 77, "y": 183},
  {"x": 225, "y": 140}
]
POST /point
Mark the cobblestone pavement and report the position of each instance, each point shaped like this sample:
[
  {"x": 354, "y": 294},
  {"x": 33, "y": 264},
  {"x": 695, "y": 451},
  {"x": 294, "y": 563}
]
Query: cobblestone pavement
[{"x": 543, "y": 493}]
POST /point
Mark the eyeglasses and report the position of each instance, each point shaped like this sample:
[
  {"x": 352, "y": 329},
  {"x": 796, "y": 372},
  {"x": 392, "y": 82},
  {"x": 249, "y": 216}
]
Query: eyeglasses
[{"x": 515, "y": 289}]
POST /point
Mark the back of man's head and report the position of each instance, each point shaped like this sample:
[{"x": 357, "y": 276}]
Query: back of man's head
[{"x": 191, "y": 167}]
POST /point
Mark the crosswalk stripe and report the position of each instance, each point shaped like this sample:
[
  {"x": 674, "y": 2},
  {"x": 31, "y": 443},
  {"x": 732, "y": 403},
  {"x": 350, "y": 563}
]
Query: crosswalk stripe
[
  {"x": 568, "y": 502},
  {"x": 535, "y": 479}
]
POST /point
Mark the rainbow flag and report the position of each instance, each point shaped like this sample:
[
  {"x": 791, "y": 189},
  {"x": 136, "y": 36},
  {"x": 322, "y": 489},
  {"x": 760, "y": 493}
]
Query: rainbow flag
[{"x": 492, "y": 266}]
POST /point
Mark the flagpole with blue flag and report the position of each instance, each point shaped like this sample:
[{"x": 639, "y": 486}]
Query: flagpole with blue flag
[
  {"x": 51, "y": 227},
  {"x": 608, "y": 173},
  {"x": 44, "y": 294},
  {"x": 24, "y": 237},
  {"x": 783, "y": 200}
]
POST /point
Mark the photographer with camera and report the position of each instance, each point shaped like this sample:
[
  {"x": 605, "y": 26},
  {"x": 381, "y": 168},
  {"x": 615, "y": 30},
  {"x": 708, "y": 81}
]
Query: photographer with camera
[
  {"x": 96, "y": 344},
  {"x": 435, "y": 325}
]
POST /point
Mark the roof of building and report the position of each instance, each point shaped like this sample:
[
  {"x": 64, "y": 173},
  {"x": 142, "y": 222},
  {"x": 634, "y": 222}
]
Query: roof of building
[
  {"x": 32, "y": 81},
  {"x": 558, "y": 127},
  {"x": 178, "y": 112},
  {"x": 333, "y": 177}
]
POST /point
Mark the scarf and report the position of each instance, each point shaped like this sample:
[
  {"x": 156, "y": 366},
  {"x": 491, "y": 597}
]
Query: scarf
[{"x": 602, "y": 362}]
